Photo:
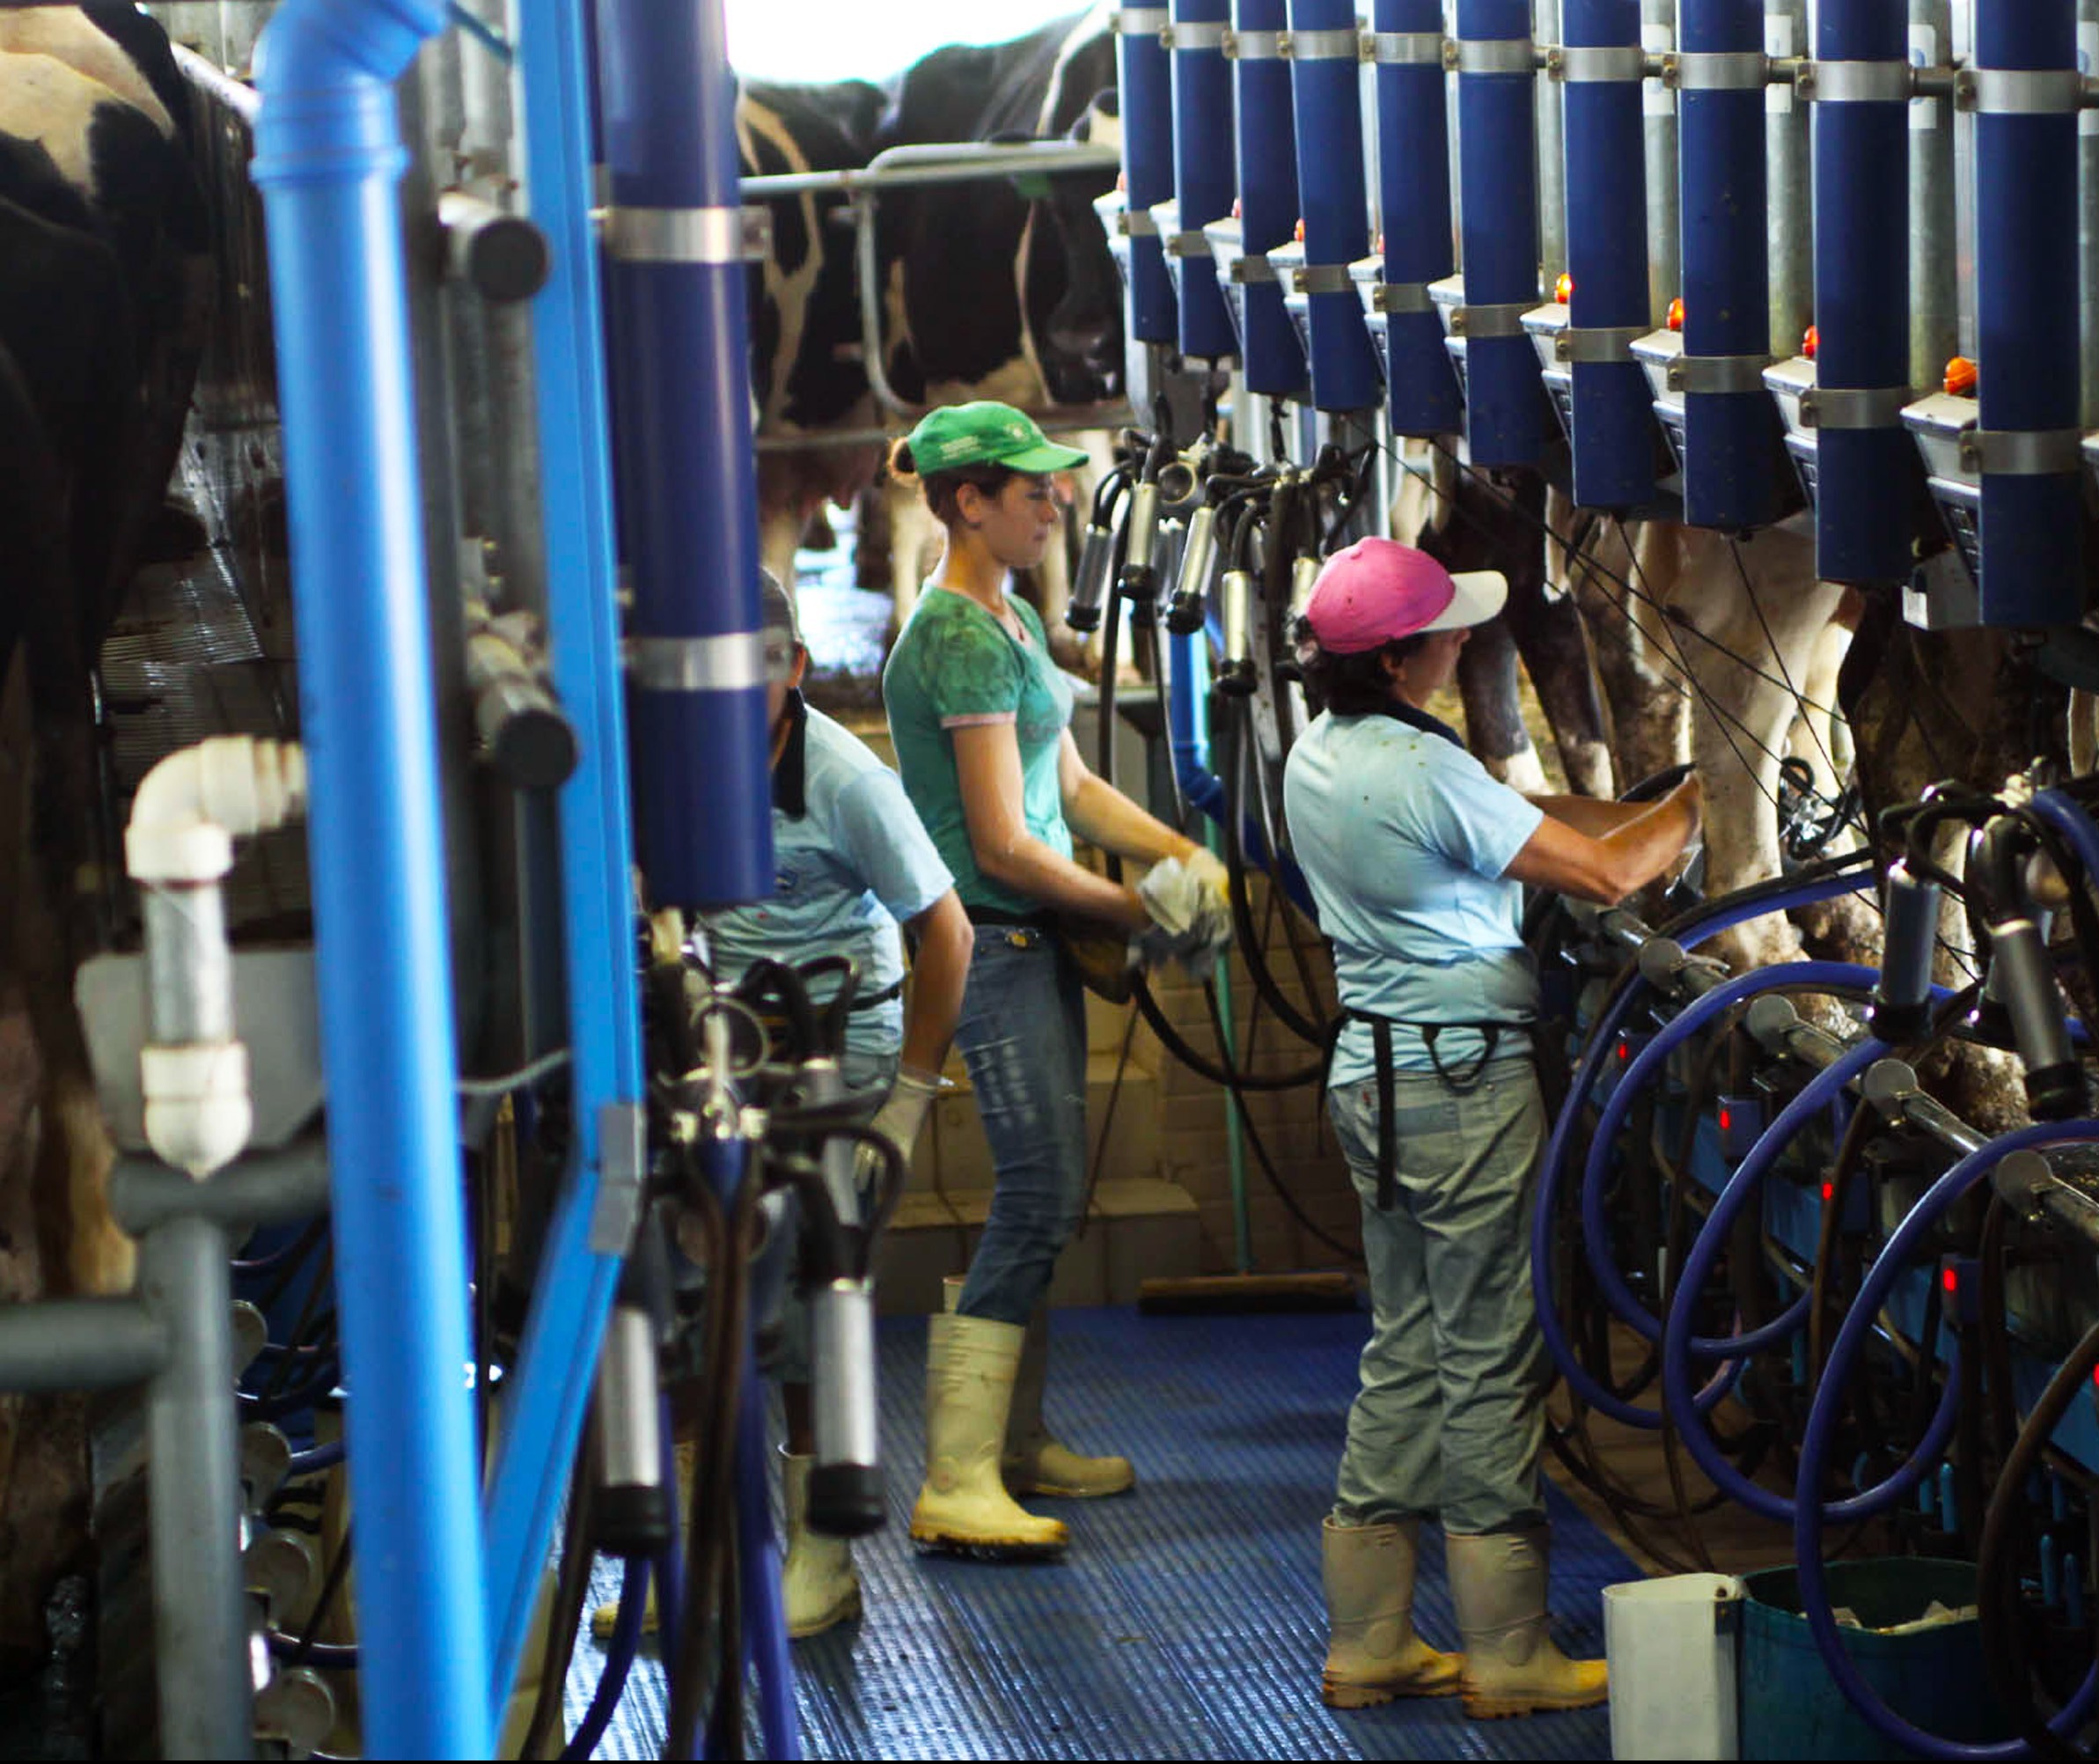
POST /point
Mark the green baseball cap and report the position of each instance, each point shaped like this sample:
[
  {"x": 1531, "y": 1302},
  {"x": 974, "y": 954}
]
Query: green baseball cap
[{"x": 985, "y": 432}]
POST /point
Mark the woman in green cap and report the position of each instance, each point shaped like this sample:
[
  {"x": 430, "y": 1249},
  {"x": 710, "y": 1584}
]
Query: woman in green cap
[{"x": 980, "y": 718}]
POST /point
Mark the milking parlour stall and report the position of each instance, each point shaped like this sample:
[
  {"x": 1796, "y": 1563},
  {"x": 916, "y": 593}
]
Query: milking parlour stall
[{"x": 451, "y": 1305}]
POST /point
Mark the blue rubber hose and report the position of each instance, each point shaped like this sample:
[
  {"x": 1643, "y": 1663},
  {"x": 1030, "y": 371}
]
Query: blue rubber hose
[
  {"x": 1717, "y": 916},
  {"x": 619, "y": 1660},
  {"x": 1809, "y": 1517},
  {"x": 1679, "y": 1346},
  {"x": 1596, "y": 1224}
]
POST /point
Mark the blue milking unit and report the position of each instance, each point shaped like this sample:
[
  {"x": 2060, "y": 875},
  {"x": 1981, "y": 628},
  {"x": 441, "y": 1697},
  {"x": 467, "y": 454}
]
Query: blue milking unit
[
  {"x": 1271, "y": 354},
  {"x": 1506, "y": 413},
  {"x": 1423, "y": 396},
  {"x": 1202, "y": 176},
  {"x": 1732, "y": 459},
  {"x": 1333, "y": 193},
  {"x": 1610, "y": 421}
]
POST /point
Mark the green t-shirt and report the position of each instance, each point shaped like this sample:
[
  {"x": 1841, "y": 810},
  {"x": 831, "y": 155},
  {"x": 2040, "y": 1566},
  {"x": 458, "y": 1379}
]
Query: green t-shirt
[{"x": 955, "y": 666}]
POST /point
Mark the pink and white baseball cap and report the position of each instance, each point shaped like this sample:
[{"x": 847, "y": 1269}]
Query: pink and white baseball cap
[{"x": 1377, "y": 591}]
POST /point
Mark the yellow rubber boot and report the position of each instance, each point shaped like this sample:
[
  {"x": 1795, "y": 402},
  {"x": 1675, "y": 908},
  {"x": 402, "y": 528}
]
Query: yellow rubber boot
[
  {"x": 1373, "y": 1654},
  {"x": 687, "y": 1456},
  {"x": 970, "y": 1365},
  {"x": 819, "y": 1586},
  {"x": 1036, "y": 1462},
  {"x": 1511, "y": 1665}
]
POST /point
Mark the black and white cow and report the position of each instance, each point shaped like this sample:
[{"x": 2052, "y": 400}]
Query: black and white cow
[
  {"x": 990, "y": 289},
  {"x": 103, "y": 276},
  {"x": 808, "y": 371}
]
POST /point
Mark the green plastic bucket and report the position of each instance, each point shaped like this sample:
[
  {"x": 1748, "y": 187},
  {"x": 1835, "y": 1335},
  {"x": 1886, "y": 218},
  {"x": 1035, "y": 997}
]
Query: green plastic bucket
[{"x": 1792, "y": 1707}]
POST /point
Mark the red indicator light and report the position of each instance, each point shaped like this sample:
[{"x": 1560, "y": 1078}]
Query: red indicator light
[
  {"x": 1298, "y": 233},
  {"x": 1727, "y": 1120},
  {"x": 1829, "y": 1193},
  {"x": 1563, "y": 289},
  {"x": 1950, "y": 1280},
  {"x": 1676, "y": 313},
  {"x": 1811, "y": 341},
  {"x": 1624, "y": 1051},
  {"x": 1961, "y": 376}
]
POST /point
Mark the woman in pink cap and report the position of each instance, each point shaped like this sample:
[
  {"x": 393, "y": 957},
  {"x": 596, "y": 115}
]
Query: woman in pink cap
[{"x": 1417, "y": 860}]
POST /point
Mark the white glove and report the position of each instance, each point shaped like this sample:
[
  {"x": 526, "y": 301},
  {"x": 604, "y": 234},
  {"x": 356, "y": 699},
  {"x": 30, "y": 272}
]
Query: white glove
[
  {"x": 1210, "y": 874},
  {"x": 903, "y": 1117}
]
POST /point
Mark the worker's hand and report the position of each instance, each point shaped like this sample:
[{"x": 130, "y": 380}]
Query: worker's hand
[{"x": 903, "y": 1117}]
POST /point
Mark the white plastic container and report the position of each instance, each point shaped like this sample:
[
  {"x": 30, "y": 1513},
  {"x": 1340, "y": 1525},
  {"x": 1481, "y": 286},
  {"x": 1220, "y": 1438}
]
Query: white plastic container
[{"x": 1672, "y": 1646}]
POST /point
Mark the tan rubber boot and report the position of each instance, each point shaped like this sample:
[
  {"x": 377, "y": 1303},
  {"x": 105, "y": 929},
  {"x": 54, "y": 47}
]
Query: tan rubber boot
[
  {"x": 685, "y": 1454},
  {"x": 1372, "y": 1652},
  {"x": 820, "y": 1588},
  {"x": 1035, "y": 1463},
  {"x": 1511, "y": 1665},
  {"x": 970, "y": 1364}
]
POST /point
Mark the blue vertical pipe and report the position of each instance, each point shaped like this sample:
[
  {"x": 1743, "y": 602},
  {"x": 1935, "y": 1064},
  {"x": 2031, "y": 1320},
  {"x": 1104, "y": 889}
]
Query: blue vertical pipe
[
  {"x": 1506, "y": 416},
  {"x": 2027, "y": 311},
  {"x": 1271, "y": 358},
  {"x": 1731, "y": 455},
  {"x": 1327, "y": 102},
  {"x": 1613, "y": 444},
  {"x": 549, "y": 1386},
  {"x": 1202, "y": 169},
  {"x": 1146, "y": 80},
  {"x": 1861, "y": 153},
  {"x": 328, "y": 159},
  {"x": 1413, "y": 185},
  {"x": 688, "y": 496},
  {"x": 758, "y": 1572}
]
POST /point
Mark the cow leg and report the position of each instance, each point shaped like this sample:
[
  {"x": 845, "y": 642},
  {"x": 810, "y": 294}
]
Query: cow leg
[
  {"x": 873, "y": 558},
  {"x": 1555, "y": 654},
  {"x": 915, "y": 545},
  {"x": 1646, "y": 702},
  {"x": 1489, "y": 685}
]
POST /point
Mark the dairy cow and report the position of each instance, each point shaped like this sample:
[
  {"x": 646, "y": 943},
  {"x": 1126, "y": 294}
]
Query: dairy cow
[
  {"x": 104, "y": 281},
  {"x": 808, "y": 374}
]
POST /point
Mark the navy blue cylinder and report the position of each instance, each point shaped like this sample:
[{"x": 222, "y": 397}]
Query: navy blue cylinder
[
  {"x": 1861, "y": 152},
  {"x": 1731, "y": 461},
  {"x": 1146, "y": 80},
  {"x": 1336, "y": 203},
  {"x": 1506, "y": 413},
  {"x": 1413, "y": 163},
  {"x": 689, "y": 503},
  {"x": 1272, "y": 357},
  {"x": 1612, "y": 433},
  {"x": 1202, "y": 168},
  {"x": 2027, "y": 316}
]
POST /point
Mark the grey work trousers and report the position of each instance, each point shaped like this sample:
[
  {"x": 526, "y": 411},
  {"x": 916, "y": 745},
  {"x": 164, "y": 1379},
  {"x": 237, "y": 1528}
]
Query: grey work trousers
[{"x": 1450, "y": 1417}]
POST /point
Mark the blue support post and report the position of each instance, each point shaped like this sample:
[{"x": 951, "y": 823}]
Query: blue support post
[
  {"x": 1145, "y": 78},
  {"x": 2026, "y": 230},
  {"x": 1861, "y": 149},
  {"x": 1202, "y": 172},
  {"x": 1325, "y": 50},
  {"x": 1732, "y": 456},
  {"x": 1507, "y": 417},
  {"x": 688, "y": 500},
  {"x": 1413, "y": 187},
  {"x": 1613, "y": 438},
  {"x": 329, "y": 156},
  {"x": 1272, "y": 357},
  {"x": 548, "y": 1389}
]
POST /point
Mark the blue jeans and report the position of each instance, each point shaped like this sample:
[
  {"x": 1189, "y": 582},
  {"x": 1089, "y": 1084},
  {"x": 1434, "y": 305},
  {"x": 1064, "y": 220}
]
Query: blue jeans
[
  {"x": 1450, "y": 1416},
  {"x": 1023, "y": 1036}
]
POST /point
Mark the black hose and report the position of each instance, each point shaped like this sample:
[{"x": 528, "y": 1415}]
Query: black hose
[{"x": 1997, "y": 1580}]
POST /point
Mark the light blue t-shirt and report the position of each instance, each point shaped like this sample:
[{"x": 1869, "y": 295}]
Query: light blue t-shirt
[
  {"x": 848, "y": 871},
  {"x": 1403, "y": 838}
]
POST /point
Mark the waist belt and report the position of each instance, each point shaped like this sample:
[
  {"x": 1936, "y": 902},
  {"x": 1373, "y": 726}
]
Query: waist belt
[
  {"x": 871, "y": 1001},
  {"x": 1462, "y": 1082},
  {"x": 1037, "y": 918}
]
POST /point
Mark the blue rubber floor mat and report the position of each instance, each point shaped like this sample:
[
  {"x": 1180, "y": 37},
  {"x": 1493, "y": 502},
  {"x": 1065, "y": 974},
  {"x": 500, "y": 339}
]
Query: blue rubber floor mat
[{"x": 1187, "y": 1619}]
